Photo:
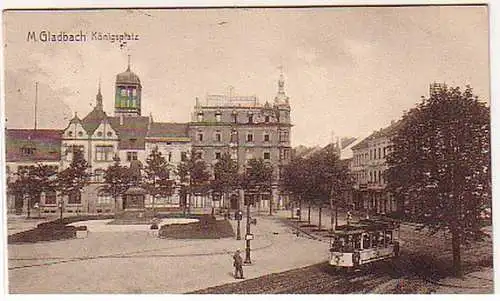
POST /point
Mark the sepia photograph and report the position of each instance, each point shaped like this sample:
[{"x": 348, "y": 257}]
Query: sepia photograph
[{"x": 307, "y": 149}]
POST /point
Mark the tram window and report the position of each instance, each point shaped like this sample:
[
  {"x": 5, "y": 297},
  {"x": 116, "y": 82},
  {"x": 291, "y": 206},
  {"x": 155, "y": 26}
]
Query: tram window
[
  {"x": 357, "y": 242},
  {"x": 388, "y": 237},
  {"x": 366, "y": 241},
  {"x": 374, "y": 240},
  {"x": 381, "y": 239}
]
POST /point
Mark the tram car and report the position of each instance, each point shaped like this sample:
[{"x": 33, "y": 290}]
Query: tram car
[{"x": 356, "y": 244}]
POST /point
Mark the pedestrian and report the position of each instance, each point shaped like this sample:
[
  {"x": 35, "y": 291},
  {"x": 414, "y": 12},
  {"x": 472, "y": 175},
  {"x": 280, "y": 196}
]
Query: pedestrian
[{"x": 238, "y": 265}]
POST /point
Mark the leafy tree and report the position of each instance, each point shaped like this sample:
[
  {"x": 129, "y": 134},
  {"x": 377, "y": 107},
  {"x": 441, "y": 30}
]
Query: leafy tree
[
  {"x": 194, "y": 176},
  {"x": 294, "y": 179},
  {"x": 117, "y": 180},
  {"x": 31, "y": 181},
  {"x": 328, "y": 178},
  {"x": 74, "y": 178},
  {"x": 258, "y": 176},
  {"x": 225, "y": 176},
  {"x": 157, "y": 181},
  {"x": 440, "y": 163}
]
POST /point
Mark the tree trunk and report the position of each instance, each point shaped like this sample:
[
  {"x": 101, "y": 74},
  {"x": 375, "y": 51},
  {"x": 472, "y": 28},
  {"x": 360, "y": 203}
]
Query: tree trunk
[
  {"x": 309, "y": 214},
  {"x": 300, "y": 209},
  {"x": 319, "y": 217},
  {"x": 28, "y": 207},
  {"x": 457, "y": 260},
  {"x": 271, "y": 205}
]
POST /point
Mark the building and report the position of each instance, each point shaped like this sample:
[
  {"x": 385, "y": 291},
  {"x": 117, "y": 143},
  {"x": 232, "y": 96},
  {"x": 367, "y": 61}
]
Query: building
[
  {"x": 100, "y": 137},
  {"x": 246, "y": 129},
  {"x": 29, "y": 147},
  {"x": 235, "y": 124},
  {"x": 368, "y": 167}
]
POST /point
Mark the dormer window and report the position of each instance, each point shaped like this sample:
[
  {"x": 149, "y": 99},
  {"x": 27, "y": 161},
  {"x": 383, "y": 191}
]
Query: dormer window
[
  {"x": 109, "y": 134},
  {"x": 267, "y": 119},
  {"x": 250, "y": 118},
  {"x": 218, "y": 116},
  {"x": 200, "y": 116},
  {"x": 235, "y": 116},
  {"x": 99, "y": 134},
  {"x": 80, "y": 134},
  {"x": 70, "y": 134}
]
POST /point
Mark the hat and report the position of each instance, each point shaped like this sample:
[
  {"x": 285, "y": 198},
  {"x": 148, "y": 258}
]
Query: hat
[{"x": 238, "y": 251}]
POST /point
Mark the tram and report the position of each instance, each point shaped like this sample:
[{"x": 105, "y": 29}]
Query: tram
[{"x": 366, "y": 241}]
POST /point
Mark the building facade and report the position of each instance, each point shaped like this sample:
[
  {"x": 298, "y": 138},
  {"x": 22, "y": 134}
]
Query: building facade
[
  {"x": 246, "y": 129},
  {"x": 368, "y": 168},
  {"x": 234, "y": 124}
]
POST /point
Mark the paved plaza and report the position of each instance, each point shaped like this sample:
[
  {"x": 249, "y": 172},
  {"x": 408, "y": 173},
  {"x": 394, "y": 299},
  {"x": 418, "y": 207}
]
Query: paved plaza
[{"x": 137, "y": 262}]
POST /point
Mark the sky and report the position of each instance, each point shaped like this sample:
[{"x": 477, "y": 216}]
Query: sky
[{"x": 348, "y": 70}]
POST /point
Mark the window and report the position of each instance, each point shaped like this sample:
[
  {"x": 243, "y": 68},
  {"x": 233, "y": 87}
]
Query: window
[
  {"x": 218, "y": 136},
  {"x": 200, "y": 136},
  {"x": 370, "y": 154},
  {"x": 266, "y": 137},
  {"x": 75, "y": 197},
  {"x": 70, "y": 134},
  {"x": 109, "y": 134},
  {"x": 103, "y": 152},
  {"x": 183, "y": 156},
  {"x": 27, "y": 151},
  {"x": 218, "y": 116},
  {"x": 267, "y": 155},
  {"x": 131, "y": 156},
  {"x": 169, "y": 156},
  {"x": 99, "y": 175},
  {"x": 103, "y": 198},
  {"x": 250, "y": 118},
  {"x": 249, "y": 137},
  {"x": 50, "y": 197},
  {"x": 199, "y": 155},
  {"x": 283, "y": 136},
  {"x": 379, "y": 153},
  {"x": 284, "y": 154},
  {"x": 217, "y": 155},
  {"x": 80, "y": 134},
  {"x": 200, "y": 116},
  {"x": 99, "y": 134},
  {"x": 266, "y": 119}
]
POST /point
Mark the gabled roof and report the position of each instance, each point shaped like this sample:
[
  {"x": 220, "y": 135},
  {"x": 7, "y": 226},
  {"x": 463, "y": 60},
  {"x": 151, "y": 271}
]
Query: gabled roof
[
  {"x": 92, "y": 121},
  {"x": 45, "y": 144}
]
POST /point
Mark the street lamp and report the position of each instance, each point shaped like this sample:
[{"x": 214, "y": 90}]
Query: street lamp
[
  {"x": 248, "y": 235},
  {"x": 238, "y": 216}
]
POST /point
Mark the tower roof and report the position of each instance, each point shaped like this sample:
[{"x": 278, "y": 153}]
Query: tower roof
[{"x": 128, "y": 77}]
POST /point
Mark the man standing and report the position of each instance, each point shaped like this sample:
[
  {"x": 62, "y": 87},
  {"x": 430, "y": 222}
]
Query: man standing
[{"x": 238, "y": 265}]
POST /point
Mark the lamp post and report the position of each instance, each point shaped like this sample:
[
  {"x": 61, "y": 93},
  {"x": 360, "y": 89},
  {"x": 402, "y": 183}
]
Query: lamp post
[
  {"x": 238, "y": 216},
  {"x": 248, "y": 236}
]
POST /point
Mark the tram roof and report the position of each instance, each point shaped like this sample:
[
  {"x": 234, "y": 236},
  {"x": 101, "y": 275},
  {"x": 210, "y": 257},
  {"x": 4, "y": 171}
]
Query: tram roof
[{"x": 365, "y": 226}]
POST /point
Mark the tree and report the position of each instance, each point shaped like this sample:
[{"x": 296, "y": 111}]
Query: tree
[
  {"x": 32, "y": 181},
  {"x": 117, "y": 180},
  {"x": 157, "y": 181},
  {"x": 440, "y": 163},
  {"x": 294, "y": 179},
  {"x": 74, "y": 178},
  {"x": 257, "y": 177},
  {"x": 225, "y": 176},
  {"x": 194, "y": 176},
  {"x": 330, "y": 178}
]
